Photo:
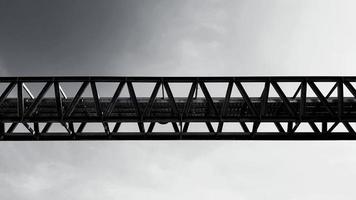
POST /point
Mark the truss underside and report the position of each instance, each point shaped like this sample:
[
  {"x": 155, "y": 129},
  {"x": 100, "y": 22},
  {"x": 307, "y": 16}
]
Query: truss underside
[{"x": 41, "y": 108}]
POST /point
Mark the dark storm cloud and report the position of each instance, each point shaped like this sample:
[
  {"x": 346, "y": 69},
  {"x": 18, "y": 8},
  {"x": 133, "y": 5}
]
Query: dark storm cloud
[
  {"x": 90, "y": 37},
  {"x": 55, "y": 37}
]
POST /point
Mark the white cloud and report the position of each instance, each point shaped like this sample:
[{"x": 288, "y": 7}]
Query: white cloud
[{"x": 178, "y": 170}]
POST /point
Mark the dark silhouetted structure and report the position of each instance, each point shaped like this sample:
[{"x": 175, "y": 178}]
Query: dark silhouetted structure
[{"x": 321, "y": 112}]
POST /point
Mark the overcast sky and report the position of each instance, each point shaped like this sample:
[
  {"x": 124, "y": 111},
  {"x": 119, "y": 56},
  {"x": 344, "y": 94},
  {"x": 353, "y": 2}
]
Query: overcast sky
[{"x": 185, "y": 37}]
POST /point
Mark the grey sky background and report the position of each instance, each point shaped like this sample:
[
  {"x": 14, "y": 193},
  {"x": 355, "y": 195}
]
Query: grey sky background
[
  {"x": 186, "y": 37},
  {"x": 157, "y": 37}
]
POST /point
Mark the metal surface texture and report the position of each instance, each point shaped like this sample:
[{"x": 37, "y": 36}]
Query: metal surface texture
[{"x": 267, "y": 108}]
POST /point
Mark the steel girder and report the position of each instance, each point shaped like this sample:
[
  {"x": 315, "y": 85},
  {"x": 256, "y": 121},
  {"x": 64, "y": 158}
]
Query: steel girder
[{"x": 75, "y": 108}]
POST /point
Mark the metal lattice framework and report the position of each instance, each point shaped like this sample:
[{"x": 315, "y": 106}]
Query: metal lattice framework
[{"x": 330, "y": 115}]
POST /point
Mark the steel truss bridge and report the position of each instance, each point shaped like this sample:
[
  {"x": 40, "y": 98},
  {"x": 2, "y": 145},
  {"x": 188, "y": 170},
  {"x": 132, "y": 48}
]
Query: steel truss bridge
[{"x": 301, "y": 113}]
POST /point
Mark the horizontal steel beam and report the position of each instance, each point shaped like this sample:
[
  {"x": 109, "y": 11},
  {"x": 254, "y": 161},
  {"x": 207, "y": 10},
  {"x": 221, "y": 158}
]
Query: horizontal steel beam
[
  {"x": 179, "y": 79},
  {"x": 170, "y": 136}
]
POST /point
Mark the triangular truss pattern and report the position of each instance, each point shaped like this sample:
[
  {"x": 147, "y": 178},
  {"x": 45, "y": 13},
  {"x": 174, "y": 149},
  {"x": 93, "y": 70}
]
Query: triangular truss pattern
[{"x": 314, "y": 108}]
